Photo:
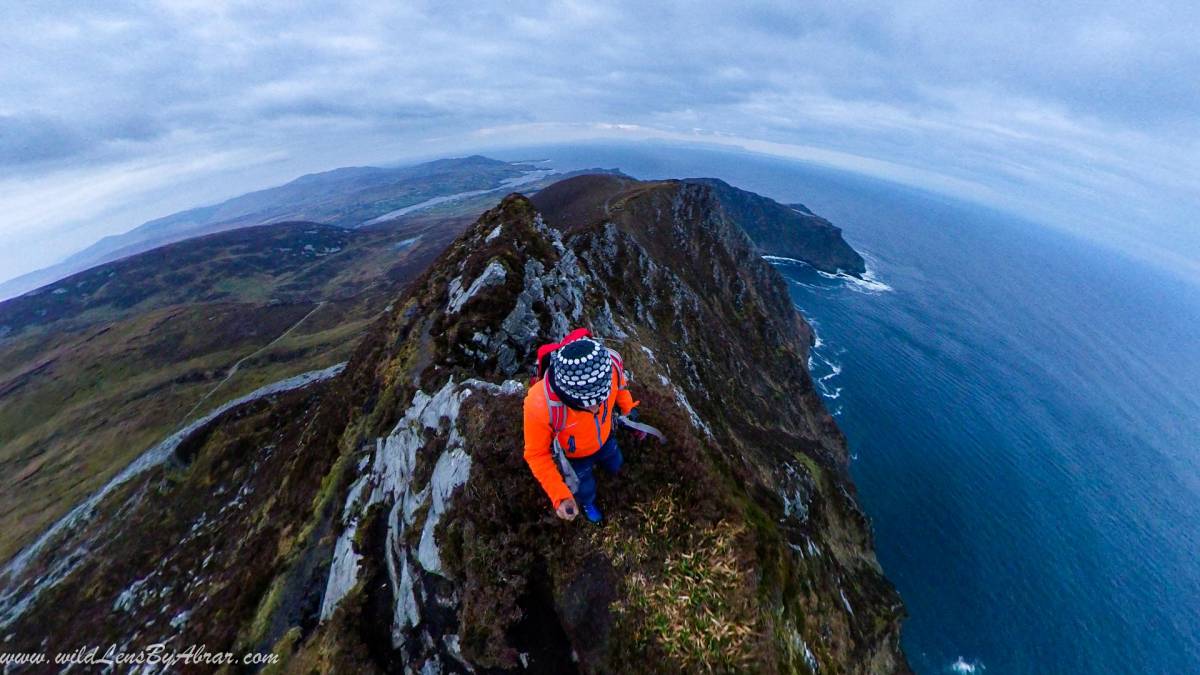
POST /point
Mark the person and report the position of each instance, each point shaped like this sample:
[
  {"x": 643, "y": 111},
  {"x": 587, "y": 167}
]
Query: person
[{"x": 586, "y": 383}]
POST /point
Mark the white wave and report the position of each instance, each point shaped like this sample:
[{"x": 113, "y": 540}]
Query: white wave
[
  {"x": 963, "y": 666},
  {"x": 869, "y": 282},
  {"x": 835, "y": 369},
  {"x": 779, "y": 258},
  {"x": 869, "y": 276},
  {"x": 801, "y": 284},
  {"x": 826, "y": 370},
  {"x": 827, "y": 392},
  {"x": 831, "y": 369}
]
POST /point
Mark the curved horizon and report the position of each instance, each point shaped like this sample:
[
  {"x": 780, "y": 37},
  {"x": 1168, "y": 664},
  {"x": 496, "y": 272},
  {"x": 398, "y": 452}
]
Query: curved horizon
[{"x": 1078, "y": 117}]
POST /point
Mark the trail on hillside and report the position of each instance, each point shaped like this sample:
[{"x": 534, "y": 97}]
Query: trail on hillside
[
  {"x": 68, "y": 536},
  {"x": 234, "y": 369}
]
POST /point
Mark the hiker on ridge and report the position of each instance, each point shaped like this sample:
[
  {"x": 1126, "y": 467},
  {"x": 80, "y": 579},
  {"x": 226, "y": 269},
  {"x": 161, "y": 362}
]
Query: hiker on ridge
[{"x": 569, "y": 415}]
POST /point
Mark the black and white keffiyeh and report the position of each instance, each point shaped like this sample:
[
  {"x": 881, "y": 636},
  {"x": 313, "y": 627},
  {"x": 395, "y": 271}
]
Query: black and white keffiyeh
[{"x": 581, "y": 373}]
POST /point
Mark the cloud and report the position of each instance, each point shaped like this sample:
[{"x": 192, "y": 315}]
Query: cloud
[
  {"x": 1055, "y": 110},
  {"x": 27, "y": 138}
]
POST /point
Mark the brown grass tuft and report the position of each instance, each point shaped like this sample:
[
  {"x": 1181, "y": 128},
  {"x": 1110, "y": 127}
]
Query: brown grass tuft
[{"x": 686, "y": 594}]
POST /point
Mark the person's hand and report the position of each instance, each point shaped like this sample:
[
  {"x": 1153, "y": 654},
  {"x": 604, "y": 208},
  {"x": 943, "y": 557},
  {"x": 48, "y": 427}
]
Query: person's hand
[
  {"x": 632, "y": 416},
  {"x": 567, "y": 509}
]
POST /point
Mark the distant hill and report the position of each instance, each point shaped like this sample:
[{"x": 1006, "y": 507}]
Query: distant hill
[
  {"x": 787, "y": 230},
  {"x": 346, "y": 197}
]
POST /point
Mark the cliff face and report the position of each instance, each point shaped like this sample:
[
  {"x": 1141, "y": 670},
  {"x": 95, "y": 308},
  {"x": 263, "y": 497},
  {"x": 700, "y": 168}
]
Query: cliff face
[
  {"x": 790, "y": 231},
  {"x": 381, "y": 518},
  {"x": 786, "y": 230}
]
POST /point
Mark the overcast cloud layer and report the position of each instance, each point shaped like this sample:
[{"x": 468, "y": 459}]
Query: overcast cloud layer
[{"x": 1080, "y": 115}]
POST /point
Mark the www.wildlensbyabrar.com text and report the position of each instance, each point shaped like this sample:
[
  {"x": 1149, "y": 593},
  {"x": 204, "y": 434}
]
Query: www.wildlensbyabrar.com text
[{"x": 155, "y": 654}]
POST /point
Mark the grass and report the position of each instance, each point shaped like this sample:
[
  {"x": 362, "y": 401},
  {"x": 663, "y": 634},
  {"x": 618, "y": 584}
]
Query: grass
[
  {"x": 104, "y": 402},
  {"x": 120, "y": 378},
  {"x": 685, "y": 593}
]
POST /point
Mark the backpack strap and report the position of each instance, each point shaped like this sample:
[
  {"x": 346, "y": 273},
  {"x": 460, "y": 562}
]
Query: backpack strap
[
  {"x": 556, "y": 409},
  {"x": 619, "y": 363},
  {"x": 558, "y": 421},
  {"x": 543, "y": 352},
  {"x": 575, "y": 335}
]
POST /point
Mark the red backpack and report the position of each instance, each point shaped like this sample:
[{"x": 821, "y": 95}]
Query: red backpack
[
  {"x": 543, "y": 353},
  {"x": 558, "y": 410},
  {"x": 556, "y": 407}
]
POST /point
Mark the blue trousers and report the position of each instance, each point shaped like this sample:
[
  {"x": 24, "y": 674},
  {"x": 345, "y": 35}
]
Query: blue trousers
[{"x": 608, "y": 457}]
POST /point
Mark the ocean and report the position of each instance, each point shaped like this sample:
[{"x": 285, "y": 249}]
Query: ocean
[{"x": 1023, "y": 412}]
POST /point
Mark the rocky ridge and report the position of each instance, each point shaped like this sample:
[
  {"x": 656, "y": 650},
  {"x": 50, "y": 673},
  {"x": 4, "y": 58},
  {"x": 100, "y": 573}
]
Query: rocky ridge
[{"x": 384, "y": 520}]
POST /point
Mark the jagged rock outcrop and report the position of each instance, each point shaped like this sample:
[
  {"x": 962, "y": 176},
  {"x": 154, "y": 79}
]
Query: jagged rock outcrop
[{"x": 384, "y": 521}]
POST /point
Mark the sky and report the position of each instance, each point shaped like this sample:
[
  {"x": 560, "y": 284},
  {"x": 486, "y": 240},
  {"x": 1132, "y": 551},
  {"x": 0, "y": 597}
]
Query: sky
[{"x": 1081, "y": 115}]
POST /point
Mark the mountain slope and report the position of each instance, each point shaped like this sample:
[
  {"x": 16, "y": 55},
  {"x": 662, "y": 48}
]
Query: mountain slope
[
  {"x": 97, "y": 367},
  {"x": 383, "y": 520},
  {"x": 152, "y": 339},
  {"x": 346, "y": 197}
]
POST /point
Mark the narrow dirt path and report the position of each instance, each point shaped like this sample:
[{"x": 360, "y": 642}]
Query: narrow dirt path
[{"x": 234, "y": 369}]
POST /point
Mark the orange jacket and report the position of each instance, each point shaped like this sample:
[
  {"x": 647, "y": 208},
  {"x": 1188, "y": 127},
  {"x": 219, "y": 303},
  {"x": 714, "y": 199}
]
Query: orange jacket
[{"x": 582, "y": 435}]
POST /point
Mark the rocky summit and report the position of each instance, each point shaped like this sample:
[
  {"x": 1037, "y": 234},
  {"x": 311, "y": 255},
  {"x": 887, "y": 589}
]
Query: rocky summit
[{"x": 378, "y": 516}]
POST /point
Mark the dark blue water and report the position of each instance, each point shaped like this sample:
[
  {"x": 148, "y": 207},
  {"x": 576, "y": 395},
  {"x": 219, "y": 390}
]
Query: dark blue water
[
  {"x": 1025, "y": 417},
  {"x": 1024, "y": 413}
]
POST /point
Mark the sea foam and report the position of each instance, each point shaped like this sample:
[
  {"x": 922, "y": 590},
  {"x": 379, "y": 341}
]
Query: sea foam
[
  {"x": 961, "y": 665},
  {"x": 867, "y": 283}
]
